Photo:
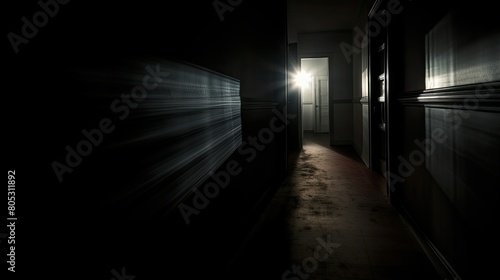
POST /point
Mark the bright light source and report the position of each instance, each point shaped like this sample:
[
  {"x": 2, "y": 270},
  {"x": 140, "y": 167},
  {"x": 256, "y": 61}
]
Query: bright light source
[{"x": 302, "y": 79}]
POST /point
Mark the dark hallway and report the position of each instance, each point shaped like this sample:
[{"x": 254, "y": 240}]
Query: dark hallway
[
  {"x": 251, "y": 139},
  {"x": 331, "y": 195}
]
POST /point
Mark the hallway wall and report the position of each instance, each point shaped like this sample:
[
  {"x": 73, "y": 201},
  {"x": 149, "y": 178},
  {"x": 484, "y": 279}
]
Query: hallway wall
[
  {"x": 444, "y": 151},
  {"x": 358, "y": 52},
  {"x": 64, "y": 80}
]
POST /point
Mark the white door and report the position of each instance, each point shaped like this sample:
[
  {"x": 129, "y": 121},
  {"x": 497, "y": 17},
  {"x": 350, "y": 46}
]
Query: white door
[{"x": 320, "y": 88}]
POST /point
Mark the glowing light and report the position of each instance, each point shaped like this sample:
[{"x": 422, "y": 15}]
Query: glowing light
[{"x": 302, "y": 79}]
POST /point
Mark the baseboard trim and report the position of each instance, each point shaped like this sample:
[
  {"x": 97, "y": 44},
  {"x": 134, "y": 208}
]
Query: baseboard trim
[{"x": 442, "y": 266}]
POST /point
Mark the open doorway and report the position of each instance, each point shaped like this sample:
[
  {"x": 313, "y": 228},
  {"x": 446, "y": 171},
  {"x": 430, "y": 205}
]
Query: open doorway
[{"x": 314, "y": 88}]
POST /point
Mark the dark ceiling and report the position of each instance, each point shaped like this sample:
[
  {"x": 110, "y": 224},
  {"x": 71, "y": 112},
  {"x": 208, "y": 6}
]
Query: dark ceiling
[{"x": 323, "y": 15}]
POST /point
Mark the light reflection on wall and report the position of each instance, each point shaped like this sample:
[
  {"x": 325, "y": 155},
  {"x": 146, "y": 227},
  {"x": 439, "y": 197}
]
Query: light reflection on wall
[
  {"x": 462, "y": 50},
  {"x": 186, "y": 128},
  {"x": 465, "y": 164}
]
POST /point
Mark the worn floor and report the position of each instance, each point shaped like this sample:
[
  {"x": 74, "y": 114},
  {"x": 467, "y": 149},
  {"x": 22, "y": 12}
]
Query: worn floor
[{"x": 331, "y": 220}]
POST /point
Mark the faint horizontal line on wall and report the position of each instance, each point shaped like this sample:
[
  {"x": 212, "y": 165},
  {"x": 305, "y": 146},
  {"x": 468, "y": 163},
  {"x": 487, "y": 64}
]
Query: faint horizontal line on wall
[
  {"x": 335, "y": 101},
  {"x": 257, "y": 105}
]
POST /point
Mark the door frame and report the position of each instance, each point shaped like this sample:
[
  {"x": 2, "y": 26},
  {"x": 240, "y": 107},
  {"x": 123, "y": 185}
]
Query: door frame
[{"x": 329, "y": 57}]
